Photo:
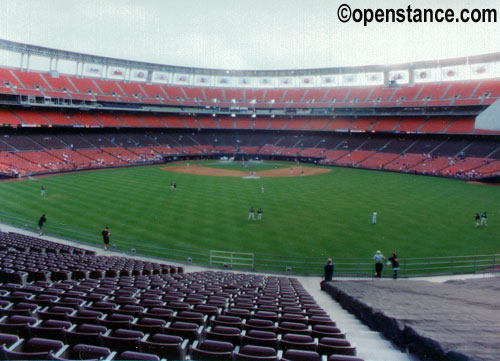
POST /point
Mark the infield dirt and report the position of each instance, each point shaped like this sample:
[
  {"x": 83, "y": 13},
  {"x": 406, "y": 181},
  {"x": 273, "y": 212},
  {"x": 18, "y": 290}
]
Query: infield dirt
[{"x": 218, "y": 172}]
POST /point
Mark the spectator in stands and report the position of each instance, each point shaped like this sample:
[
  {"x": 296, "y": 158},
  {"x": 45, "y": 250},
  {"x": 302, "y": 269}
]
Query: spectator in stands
[
  {"x": 105, "y": 237},
  {"x": 483, "y": 219},
  {"x": 379, "y": 263},
  {"x": 328, "y": 270},
  {"x": 41, "y": 221},
  {"x": 393, "y": 260},
  {"x": 477, "y": 219}
]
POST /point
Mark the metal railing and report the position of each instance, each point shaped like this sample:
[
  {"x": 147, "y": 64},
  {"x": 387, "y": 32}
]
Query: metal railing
[
  {"x": 348, "y": 267},
  {"x": 232, "y": 259}
]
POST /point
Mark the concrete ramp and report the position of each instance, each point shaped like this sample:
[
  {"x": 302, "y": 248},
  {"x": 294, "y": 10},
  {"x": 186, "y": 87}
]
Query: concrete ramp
[{"x": 489, "y": 118}]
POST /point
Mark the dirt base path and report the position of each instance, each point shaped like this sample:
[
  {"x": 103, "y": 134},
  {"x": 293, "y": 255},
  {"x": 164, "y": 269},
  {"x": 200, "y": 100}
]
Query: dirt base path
[
  {"x": 484, "y": 183},
  {"x": 219, "y": 172}
]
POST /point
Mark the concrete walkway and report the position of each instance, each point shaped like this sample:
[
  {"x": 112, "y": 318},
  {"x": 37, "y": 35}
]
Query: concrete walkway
[{"x": 371, "y": 345}]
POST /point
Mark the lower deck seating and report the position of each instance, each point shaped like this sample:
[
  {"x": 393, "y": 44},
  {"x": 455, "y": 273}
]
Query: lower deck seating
[
  {"x": 58, "y": 301},
  {"x": 41, "y": 153}
]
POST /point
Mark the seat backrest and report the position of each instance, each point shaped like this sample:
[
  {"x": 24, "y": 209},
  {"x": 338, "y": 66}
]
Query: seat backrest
[
  {"x": 7, "y": 339},
  {"x": 132, "y": 355},
  {"x": 42, "y": 345},
  {"x": 300, "y": 355},
  {"x": 87, "y": 352}
]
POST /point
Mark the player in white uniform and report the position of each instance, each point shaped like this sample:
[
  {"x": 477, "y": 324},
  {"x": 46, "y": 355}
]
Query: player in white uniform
[
  {"x": 483, "y": 220},
  {"x": 374, "y": 218}
]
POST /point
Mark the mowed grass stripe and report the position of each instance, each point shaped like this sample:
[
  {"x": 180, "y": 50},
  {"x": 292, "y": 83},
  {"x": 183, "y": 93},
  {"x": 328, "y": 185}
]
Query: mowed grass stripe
[{"x": 324, "y": 215}]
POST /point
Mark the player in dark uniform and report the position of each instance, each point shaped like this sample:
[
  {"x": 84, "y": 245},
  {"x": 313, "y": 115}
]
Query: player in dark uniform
[
  {"x": 251, "y": 214},
  {"x": 477, "y": 219},
  {"x": 105, "y": 237},
  {"x": 259, "y": 214},
  {"x": 41, "y": 221}
]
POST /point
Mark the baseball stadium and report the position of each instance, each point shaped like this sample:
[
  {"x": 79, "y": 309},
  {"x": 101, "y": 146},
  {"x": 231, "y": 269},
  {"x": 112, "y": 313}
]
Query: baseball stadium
[{"x": 186, "y": 200}]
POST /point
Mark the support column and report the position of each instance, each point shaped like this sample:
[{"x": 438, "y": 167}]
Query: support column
[
  {"x": 28, "y": 62},
  {"x": 22, "y": 61}
]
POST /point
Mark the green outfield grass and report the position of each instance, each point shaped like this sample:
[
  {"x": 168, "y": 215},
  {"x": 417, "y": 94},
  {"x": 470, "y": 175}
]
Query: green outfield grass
[{"x": 326, "y": 215}]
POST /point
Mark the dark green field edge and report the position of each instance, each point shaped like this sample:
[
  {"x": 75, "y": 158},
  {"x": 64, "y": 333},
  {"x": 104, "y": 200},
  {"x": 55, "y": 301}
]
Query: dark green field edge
[{"x": 352, "y": 267}]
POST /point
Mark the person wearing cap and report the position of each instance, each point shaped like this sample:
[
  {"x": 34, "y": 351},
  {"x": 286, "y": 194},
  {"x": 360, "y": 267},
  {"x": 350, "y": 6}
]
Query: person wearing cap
[{"x": 379, "y": 263}]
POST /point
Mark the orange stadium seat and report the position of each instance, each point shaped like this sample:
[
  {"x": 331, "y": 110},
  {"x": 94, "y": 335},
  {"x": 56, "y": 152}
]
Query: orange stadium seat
[
  {"x": 31, "y": 117},
  {"x": 434, "y": 125},
  {"x": 7, "y": 117},
  {"x": 462, "y": 126},
  {"x": 339, "y": 124},
  {"x": 208, "y": 122},
  {"x": 226, "y": 122}
]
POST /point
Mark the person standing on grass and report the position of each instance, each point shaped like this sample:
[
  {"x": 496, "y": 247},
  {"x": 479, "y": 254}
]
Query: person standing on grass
[
  {"x": 374, "y": 218},
  {"x": 251, "y": 214},
  {"x": 42, "y": 191},
  {"x": 105, "y": 237},
  {"x": 259, "y": 214},
  {"x": 483, "y": 220},
  {"x": 395, "y": 265},
  {"x": 477, "y": 219},
  {"x": 41, "y": 221},
  {"x": 379, "y": 263},
  {"x": 262, "y": 188}
]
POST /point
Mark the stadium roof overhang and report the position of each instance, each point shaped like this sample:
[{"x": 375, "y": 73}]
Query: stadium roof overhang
[{"x": 95, "y": 59}]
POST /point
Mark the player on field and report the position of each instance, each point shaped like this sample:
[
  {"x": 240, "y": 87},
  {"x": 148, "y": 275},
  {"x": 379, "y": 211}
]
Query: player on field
[
  {"x": 42, "y": 191},
  {"x": 251, "y": 214},
  {"x": 259, "y": 214},
  {"x": 41, "y": 221},
  {"x": 262, "y": 188},
  {"x": 374, "y": 218},
  {"x": 483, "y": 219},
  {"x": 477, "y": 219}
]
